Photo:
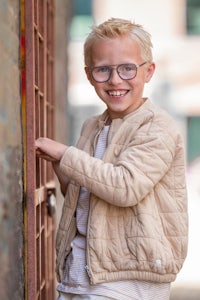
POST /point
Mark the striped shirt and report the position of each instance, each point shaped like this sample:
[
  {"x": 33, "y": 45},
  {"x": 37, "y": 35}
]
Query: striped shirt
[{"x": 76, "y": 280}]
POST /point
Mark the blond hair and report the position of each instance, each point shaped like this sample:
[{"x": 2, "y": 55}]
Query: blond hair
[{"x": 114, "y": 28}]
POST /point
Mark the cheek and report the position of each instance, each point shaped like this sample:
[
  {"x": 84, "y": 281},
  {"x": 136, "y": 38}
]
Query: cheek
[
  {"x": 140, "y": 79},
  {"x": 98, "y": 86},
  {"x": 100, "y": 92},
  {"x": 98, "y": 89},
  {"x": 137, "y": 85},
  {"x": 136, "y": 82}
]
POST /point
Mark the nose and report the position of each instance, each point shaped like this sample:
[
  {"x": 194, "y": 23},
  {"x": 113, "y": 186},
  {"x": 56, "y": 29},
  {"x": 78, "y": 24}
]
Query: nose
[{"x": 114, "y": 77}]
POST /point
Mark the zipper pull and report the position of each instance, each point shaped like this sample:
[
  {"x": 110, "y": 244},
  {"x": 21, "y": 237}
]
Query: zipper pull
[{"x": 88, "y": 271}]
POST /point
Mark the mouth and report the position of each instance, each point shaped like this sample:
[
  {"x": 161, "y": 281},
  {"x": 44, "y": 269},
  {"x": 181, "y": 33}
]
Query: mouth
[{"x": 117, "y": 93}]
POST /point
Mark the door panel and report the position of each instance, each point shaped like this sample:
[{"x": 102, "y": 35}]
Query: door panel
[{"x": 39, "y": 179}]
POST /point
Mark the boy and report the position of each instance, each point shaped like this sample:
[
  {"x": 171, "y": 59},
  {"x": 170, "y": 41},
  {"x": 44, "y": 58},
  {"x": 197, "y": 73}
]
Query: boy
[{"x": 123, "y": 230}]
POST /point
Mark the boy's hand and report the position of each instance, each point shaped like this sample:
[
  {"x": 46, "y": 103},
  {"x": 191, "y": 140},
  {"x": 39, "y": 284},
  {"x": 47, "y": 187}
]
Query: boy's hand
[{"x": 49, "y": 149}]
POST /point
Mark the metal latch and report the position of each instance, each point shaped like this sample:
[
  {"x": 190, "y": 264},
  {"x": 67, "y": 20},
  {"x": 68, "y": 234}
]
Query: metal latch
[{"x": 51, "y": 203}]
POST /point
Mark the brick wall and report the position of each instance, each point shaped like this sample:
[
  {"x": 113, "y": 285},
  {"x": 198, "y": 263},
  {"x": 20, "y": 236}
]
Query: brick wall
[{"x": 11, "y": 200}]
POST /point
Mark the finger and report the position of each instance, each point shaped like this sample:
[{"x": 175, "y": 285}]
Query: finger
[{"x": 46, "y": 157}]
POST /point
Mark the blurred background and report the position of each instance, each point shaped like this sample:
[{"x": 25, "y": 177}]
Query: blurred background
[{"x": 44, "y": 91}]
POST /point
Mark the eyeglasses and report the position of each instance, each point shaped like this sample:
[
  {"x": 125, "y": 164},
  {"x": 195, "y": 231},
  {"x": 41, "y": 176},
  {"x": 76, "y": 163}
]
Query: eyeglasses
[{"x": 125, "y": 71}]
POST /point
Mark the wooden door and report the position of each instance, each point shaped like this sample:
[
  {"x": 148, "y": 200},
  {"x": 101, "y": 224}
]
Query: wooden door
[{"x": 38, "y": 115}]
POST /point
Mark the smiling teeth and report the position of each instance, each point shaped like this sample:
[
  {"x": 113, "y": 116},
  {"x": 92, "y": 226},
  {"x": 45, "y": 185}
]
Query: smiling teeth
[{"x": 116, "y": 93}]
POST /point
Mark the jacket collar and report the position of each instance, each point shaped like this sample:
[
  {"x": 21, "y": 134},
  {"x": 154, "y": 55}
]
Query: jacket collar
[{"x": 117, "y": 122}]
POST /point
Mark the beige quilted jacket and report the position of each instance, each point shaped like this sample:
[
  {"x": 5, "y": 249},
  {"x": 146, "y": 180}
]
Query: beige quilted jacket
[{"x": 138, "y": 222}]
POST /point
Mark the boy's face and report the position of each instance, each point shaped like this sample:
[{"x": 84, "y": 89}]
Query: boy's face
[{"x": 121, "y": 96}]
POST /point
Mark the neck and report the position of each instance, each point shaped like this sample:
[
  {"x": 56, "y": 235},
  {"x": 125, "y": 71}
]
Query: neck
[{"x": 107, "y": 120}]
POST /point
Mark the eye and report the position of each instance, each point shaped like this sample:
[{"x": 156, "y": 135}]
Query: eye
[
  {"x": 102, "y": 69},
  {"x": 128, "y": 67}
]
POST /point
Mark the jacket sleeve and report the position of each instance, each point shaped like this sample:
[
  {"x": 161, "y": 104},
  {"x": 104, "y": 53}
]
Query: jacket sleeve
[
  {"x": 138, "y": 167},
  {"x": 62, "y": 178}
]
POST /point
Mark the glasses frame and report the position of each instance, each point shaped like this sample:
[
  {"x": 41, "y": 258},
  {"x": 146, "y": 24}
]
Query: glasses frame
[{"x": 116, "y": 67}]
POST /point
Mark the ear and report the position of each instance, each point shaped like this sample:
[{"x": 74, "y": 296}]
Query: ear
[
  {"x": 150, "y": 71},
  {"x": 89, "y": 76}
]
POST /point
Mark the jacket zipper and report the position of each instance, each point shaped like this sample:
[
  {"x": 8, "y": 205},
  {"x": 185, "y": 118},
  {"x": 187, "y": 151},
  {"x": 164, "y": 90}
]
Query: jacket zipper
[
  {"x": 87, "y": 268},
  {"x": 88, "y": 271},
  {"x": 87, "y": 260}
]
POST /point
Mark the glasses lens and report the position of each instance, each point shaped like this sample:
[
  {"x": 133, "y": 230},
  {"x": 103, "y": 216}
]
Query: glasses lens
[
  {"x": 101, "y": 74},
  {"x": 127, "y": 71}
]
